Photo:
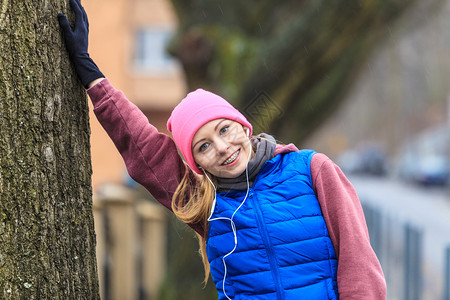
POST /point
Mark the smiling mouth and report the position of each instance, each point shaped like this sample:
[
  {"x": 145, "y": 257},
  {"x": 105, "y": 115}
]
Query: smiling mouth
[{"x": 232, "y": 158}]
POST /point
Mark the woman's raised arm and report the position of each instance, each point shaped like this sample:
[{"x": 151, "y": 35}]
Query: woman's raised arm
[{"x": 151, "y": 157}]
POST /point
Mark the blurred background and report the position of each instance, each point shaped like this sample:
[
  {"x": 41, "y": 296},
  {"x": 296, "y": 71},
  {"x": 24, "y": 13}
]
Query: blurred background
[{"x": 365, "y": 82}]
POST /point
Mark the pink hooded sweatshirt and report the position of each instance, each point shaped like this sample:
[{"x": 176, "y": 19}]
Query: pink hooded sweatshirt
[{"x": 152, "y": 160}]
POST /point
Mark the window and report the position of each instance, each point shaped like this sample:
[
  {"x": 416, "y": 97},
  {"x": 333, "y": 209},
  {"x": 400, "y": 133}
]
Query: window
[{"x": 151, "y": 56}]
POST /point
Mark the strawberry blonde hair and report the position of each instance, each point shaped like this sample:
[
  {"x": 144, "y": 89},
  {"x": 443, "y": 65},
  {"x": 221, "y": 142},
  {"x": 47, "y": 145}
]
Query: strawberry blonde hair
[{"x": 192, "y": 203}]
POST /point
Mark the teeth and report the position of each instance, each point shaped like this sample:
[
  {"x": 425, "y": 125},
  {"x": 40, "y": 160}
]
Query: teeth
[{"x": 232, "y": 158}]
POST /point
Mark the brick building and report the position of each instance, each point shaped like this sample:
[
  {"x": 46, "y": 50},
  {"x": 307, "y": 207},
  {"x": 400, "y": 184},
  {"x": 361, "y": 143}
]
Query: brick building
[{"x": 127, "y": 41}]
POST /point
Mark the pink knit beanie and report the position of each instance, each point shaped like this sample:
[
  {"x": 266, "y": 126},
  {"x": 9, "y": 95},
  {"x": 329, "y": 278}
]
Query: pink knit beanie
[{"x": 194, "y": 111}]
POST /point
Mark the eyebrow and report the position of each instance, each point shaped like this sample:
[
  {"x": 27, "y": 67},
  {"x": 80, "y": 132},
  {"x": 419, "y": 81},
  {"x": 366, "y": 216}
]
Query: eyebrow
[
  {"x": 215, "y": 129},
  {"x": 218, "y": 124}
]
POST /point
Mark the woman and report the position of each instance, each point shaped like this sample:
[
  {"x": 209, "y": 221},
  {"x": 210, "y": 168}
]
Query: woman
[{"x": 273, "y": 222}]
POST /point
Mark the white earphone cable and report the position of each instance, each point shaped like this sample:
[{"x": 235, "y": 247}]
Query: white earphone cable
[{"x": 233, "y": 225}]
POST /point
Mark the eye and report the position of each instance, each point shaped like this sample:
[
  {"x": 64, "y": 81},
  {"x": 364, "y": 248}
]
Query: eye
[
  {"x": 203, "y": 147},
  {"x": 224, "y": 130}
]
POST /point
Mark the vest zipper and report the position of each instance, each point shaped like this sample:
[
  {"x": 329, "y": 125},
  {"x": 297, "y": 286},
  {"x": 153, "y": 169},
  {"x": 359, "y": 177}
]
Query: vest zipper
[{"x": 268, "y": 245}]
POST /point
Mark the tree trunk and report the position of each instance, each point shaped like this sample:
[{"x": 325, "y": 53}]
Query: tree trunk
[{"x": 47, "y": 239}]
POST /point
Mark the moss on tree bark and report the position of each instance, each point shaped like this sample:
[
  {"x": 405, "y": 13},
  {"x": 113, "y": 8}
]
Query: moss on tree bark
[{"x": 47, "y": 239}]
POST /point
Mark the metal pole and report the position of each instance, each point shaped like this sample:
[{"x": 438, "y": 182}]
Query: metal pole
[
  {"x": 407, "y": 262},
  {"x": 417, "y": 283},
  {"x": 413, "y": 263},
  {"x": 447, "y": 274}
]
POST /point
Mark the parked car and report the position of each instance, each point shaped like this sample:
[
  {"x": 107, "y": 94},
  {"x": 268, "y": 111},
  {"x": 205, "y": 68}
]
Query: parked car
[
  {"x": 366, "y": 159},
  {"x": 426, "y": 159}
]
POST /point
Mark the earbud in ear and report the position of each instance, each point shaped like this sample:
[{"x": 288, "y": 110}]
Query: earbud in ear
[{"x": 247, "y": 131}]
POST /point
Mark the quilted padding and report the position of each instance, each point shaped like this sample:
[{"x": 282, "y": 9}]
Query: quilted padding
[{"x": 283, "y": 248}]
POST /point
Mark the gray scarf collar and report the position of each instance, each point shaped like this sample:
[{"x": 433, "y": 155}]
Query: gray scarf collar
[{"x": 264, "y": 147}]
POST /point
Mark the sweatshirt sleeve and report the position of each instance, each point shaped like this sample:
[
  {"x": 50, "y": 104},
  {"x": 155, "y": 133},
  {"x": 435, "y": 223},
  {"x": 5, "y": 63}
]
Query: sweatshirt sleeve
[
  {"x": 359, "y": 274},
  {"x": 150, "y": 156}
]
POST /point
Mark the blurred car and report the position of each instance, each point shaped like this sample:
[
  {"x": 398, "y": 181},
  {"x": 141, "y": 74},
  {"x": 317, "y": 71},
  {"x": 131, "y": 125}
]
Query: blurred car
[
  {"x": 366, "y": 159},
  {"x": 432, "y": 169},
  {"x": 426, "y": 159}
]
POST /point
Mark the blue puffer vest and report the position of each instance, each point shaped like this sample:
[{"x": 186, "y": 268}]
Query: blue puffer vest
[{"x": 283, "y": 249}]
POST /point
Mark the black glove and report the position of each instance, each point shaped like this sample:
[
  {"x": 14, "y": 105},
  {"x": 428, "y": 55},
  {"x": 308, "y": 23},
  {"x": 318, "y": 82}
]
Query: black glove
[{"x": 77, "y": 44}]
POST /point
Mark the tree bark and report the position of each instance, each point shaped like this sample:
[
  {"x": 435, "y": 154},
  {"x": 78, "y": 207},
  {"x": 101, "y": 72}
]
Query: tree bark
[{"x": 47, "y": 239}]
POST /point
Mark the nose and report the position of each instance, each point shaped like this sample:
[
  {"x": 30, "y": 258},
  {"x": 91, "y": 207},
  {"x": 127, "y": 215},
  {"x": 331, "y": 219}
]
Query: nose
[{"x": 222, "y": 145}]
